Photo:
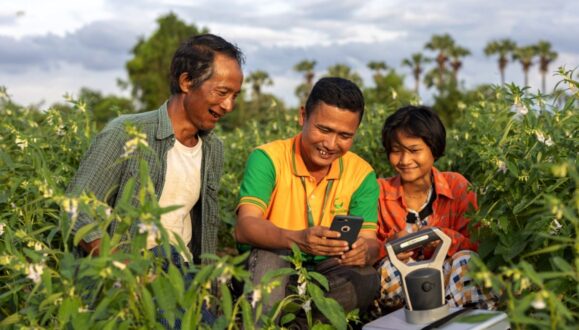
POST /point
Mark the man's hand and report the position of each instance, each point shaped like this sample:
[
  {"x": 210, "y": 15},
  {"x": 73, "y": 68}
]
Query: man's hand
[
  {"x": 358, "y": 255},
  {"x": 321, "y": 241}
]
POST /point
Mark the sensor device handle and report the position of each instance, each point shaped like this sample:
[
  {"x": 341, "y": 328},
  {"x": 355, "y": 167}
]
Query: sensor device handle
[{"x": 414, "y": 240}]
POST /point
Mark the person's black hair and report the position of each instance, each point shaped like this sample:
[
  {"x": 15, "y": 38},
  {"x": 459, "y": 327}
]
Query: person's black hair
[
  {"x": 337, "y": 92},
  {"x": 415, "y": 121},
  {"x": 195, "y": 56}
]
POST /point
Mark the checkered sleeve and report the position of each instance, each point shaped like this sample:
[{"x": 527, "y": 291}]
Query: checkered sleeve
[{"x": 99, "y": 173}]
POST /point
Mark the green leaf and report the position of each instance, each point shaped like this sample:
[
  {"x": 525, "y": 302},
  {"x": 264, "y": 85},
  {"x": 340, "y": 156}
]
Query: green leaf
[
  {"x": 148, "y": 305},
  {"x": 562, "y": 264},
  {"x": 328, "y": 307},
  {"x": 81, "y": 233},
  {"x": 512, "y": 168},
  {"x": 287, "y": 318},
  {"x": 548, "y": 249},
  {"x": 247, "y": 315},
  {"x": 321, "y": 279},
  {"x": 12, "y": 319},
  {"x": 226, "y": 301},
  {"x": 276, "y": 273}
]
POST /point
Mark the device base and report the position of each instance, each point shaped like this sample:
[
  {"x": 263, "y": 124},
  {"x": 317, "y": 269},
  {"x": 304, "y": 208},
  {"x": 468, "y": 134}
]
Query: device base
[{"x": 427, "y": 316}]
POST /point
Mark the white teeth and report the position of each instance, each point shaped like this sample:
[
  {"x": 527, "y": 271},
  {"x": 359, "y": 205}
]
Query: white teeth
[{"x": 323, "y": 152}]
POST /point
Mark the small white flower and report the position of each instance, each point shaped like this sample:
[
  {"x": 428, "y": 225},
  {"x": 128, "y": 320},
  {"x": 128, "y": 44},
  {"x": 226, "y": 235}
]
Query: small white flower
[
  {"x": 540, "y": 136},
  {"x": 149, "y": 228},
  {"x": 132, "y": 145},
  {"x": 35, "y": 272},
  {"x": 302, "y": 288},
  {"x": 519, "y": 109},
  {"x": 307, "y": 306},
  {"x": 549, "y": 142},
  {"x": 21, "y": 143},
  {"x": 119, "y": 265},
  {"x": 108, "y": 211},
  {"x": 83, "y": 309},
  {"x": 555, "y": 226},
  {"x": 224, "y": 278},
  {"x": 117, "y": 284},
  {"x": 255, "y": 297},
  {"x": 539, "y": 302},
  {"x": 70, "y": 205},
  {"x": 1, "y": 228},
  {"x": 502, "y": 166}
]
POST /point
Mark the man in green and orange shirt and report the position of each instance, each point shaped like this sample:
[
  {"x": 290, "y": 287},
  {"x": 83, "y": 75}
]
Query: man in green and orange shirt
[{"x": 292, "y": 189}]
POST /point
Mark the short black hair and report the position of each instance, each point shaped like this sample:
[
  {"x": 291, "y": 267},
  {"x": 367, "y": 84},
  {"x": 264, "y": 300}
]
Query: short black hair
[
  {"x": 195, "y": 57},
  {"x": 337, "y": 92},
  {"x": 415, "y": 121}
]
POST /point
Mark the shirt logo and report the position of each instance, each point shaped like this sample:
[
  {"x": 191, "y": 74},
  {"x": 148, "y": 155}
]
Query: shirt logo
[{"x": 338, "y": 208}]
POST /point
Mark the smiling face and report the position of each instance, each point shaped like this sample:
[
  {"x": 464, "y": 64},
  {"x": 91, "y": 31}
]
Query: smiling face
[
  {"x": 412, "y": 159},
  {"x": 327, "y": 133},
  {"x": 208, "y": 103}
]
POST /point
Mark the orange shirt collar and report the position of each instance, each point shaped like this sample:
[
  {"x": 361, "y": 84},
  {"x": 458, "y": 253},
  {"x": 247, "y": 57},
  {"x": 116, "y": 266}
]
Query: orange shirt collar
[
  {"x": 441, "y": 187},
  {"x": 299, "y": 167}
]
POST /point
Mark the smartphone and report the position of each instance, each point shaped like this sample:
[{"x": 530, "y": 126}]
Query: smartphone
[{"x": 348, "y": 226}]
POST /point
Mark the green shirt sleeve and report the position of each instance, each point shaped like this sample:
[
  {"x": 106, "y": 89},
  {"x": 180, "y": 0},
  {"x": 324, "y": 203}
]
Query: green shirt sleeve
[
  {"x": 258, "y": 180},
  {"x": 364, "y": 201}
]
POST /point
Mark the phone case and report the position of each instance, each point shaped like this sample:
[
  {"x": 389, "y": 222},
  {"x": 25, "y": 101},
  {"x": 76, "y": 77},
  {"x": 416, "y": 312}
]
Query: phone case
[{"x": 348, "y": 226}]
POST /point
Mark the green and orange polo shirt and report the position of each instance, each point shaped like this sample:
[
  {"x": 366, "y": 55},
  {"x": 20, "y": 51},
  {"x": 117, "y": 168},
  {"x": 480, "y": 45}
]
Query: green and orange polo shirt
[{"x": 277, "y": 181}]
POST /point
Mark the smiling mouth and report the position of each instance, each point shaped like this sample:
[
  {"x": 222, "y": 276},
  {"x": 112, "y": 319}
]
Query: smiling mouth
[
  {"x": 214, "y": 114},
  {"x": 325, "y": 153}
]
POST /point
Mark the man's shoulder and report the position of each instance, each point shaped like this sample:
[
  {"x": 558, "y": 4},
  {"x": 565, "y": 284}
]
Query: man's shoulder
[
  {"x": 284, "y": 144},
  {"x": 139, "y": 119},
  {"x": 355, "y": 162}
]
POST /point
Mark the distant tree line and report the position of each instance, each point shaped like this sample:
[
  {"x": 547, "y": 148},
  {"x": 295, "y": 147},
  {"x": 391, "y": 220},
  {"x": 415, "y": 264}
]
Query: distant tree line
[{"x": 148, "y": 72}]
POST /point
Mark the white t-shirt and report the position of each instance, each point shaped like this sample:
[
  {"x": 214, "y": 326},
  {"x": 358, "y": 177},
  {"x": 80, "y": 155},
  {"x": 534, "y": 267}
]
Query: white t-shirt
[{"x": 182, "y": 187}]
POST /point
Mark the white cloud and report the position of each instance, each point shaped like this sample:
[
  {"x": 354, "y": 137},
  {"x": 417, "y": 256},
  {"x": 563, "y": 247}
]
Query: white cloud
[{"x": 59, "y": 46}]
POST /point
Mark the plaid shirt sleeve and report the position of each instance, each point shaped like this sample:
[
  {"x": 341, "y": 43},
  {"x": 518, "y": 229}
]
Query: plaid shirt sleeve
[{"x": 99, "y": 173}]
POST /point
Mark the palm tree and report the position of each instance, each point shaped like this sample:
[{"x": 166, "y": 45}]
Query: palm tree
[
  {"x": 415, "y": 63},
  {"x": 525, "y": 55},
  {"x": 456, "y": 53},
  {"x": 546, "y": 56},
  {"x": 344, "y": 71},
  {"x": 443, "y": 44},
  {"x": 307, "y": 68},
  {"x": 503, "y": 48},
  {"x": 257, "y": 79},
  {"x": 377, "y": 67}
]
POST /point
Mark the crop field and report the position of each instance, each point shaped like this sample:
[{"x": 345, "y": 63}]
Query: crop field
[{"x": 517, "y": 148}]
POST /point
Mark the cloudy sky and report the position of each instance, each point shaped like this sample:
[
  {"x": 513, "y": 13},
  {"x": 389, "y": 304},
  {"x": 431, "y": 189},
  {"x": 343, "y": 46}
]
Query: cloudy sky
[{"x": 49, "y": 48}]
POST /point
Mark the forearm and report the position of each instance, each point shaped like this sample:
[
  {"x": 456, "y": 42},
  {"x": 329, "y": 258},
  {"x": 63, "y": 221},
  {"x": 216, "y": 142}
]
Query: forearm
[
  {"x": 373, "y": 250},
  {"x": 263, "y": 234}
]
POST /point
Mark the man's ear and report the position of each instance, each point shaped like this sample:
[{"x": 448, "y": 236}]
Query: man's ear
[
  {"x": 302, "y": 118},
  {"x": 184, "y": 82}
]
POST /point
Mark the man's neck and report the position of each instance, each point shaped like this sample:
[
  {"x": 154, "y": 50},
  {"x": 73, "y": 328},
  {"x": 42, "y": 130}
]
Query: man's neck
[{"x": 184, "y": 131}]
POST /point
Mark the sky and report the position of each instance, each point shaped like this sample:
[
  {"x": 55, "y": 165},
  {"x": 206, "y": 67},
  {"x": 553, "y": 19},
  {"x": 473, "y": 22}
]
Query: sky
[{"x": 51, "y": 48}]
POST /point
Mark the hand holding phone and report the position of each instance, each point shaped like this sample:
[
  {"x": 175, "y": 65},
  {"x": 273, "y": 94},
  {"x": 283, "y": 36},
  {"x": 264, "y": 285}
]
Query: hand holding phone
[{"x": 348, "y": 226}]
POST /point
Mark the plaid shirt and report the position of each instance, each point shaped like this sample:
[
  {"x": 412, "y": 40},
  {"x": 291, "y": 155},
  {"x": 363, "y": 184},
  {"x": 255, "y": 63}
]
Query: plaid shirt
[
  {"x": 453, "y": 199},
  {"x": 102, "y": 173}
]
